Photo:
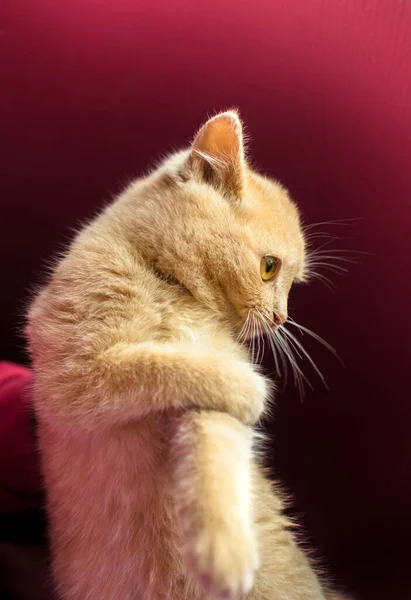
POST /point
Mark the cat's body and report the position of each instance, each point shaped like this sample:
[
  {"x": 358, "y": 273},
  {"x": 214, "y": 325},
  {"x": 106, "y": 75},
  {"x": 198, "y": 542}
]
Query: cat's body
[{"x": 145, "y": 398}]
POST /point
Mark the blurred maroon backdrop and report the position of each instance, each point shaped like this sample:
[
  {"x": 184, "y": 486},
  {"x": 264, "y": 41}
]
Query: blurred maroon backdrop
[{"x": 93, "y": 91}]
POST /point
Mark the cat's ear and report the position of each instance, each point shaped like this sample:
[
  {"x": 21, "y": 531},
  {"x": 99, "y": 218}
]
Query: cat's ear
[{"x": 217, "y": 154}]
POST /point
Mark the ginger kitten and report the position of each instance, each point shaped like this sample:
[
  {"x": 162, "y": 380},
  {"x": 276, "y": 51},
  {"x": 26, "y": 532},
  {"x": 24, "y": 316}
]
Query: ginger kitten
[{"x": 146, "y": 397}]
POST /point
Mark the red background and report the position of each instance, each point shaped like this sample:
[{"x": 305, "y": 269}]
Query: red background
[{"x": 93, "y": 91}]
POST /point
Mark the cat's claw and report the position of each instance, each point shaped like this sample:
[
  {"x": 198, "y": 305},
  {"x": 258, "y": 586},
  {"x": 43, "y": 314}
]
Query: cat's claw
[{"x": 224, "y": 563}]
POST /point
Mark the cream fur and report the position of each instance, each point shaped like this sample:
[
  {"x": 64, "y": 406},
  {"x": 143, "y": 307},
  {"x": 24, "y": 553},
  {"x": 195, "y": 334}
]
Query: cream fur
[{"x": 146, "y": 400}]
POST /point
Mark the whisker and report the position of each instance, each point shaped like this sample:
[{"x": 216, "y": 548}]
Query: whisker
[
  {"x": 335, "y": 253},
  {"x": 248, "y": 333},
  {"x": 336, "y": 222},
  {"x": 242, "y": 336},
  {"x": 261, "y": 337},
  {"x": 319, "y": 234},
  {"x": 286, "y": 349},
  {"x": 299, "y": 376},
  {"x": 291, "y": 320},
  {"x": 292, "y": 344},
  {"x": 306, "y": 354},
  {"x": 283, "y": 356},
  {"x": 276, "y": 345},
  {"x": 241, "y": 333},
  {"x": 339, "y": 252},
  {"x": 269, "y": 335},
  {"x": 317, "y": 337},
  {"x": 328, "y": 266},
  {"x": 287, "y": 353},
  {"x": 326, "y": 243},
  {"x": 253, "y": 338},
  {"x": 322, "y": 256},
  {"x": 258, "y": 341},
  {"x": 325, "y": 280}
]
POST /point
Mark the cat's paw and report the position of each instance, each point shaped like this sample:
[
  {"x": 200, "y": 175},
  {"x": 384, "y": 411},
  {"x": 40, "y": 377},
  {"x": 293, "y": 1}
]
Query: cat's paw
[
  {"x": 253, "y": 391},
  {"x": 223, "y": 560}
]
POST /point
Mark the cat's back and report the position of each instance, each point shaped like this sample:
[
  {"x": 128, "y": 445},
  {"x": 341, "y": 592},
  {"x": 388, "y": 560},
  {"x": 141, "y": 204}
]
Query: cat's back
[{"x": 101, "y": 281}]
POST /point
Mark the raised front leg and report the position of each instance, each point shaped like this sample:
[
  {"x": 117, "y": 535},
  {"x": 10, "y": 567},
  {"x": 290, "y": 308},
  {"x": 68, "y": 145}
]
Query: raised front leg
[
  {"x": 213, "y": 460},
  {"x": 128, "y": 381}
]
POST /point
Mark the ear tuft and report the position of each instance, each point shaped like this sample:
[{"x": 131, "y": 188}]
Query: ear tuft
[{"x": 217, "y": 153}]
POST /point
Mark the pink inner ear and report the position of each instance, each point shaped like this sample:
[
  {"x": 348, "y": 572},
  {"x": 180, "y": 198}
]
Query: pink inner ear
[
  {"x": 220, "y": 144},
  {"x": 221, "y": 138}
]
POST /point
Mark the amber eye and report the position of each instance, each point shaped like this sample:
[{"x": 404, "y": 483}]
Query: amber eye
[{"x": 269, "y": 267}]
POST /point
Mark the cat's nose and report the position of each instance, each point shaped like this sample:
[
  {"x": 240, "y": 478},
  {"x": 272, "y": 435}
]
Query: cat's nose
[{"x": 280, "y": 318}]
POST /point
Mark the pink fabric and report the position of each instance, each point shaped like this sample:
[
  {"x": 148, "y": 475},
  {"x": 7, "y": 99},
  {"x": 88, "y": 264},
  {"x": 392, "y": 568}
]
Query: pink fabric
[{"x": 20, "y": 481}]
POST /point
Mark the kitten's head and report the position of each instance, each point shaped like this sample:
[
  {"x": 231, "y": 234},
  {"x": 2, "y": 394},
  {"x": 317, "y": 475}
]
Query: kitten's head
[{"x": 228, "y": 234}]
